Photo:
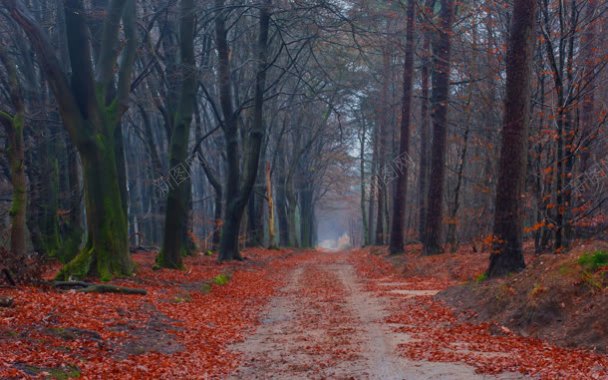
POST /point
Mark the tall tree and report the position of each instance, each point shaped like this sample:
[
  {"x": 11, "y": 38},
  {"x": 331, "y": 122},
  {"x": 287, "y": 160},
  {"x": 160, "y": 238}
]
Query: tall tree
[
  {"x": 397, "y": 238},
  {"x": 425, "y": 136},
  {"x": 240, "y": 184},
  {"x": 382, "y": 133},
  {"x": 91, "y": 102},
  {"x": 178, "y": 205},
  {"x": 507, "y": 255},
  {"x": 439, "y": 112}
]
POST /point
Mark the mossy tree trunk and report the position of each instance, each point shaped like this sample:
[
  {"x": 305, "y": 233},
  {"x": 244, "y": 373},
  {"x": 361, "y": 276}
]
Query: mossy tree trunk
[
  {"x": 106, "y": 219},
  {"x": 14, "y": 123},
  {"x": 91, "y": 104},
  {"x": 18, "y": 180}
]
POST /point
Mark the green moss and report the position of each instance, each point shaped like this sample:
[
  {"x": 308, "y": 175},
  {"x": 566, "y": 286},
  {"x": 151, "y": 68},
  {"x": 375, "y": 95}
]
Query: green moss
[
  {"x": 18, "y": 122},
  {"x": 593, "y": 261},
  {"x": 221, "y": 279},
  {"x": 69, "y": 372},
  {"x": 481, "y": 278},
  {"x": 16, "y": 206},
  {"x": 57, "y": 373},
  {"x": 79, "y": 267},
  {"x": 69, "y": 246}
]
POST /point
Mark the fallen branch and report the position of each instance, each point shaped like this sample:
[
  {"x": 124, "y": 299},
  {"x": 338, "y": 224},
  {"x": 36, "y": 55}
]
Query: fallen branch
[
  {"x": 85, "y": 287},
  {"x": 112, "y": 289},
  {"x": 71, "y": 284}
]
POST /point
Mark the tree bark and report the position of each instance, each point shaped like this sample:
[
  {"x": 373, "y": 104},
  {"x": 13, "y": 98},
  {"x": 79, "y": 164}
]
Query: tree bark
[
  {"x": 238, "y": 188},
  {"x": 425, "y": 138},
  {"x": 270, "y": 200},
  {"x": 439, "y": 100},
  {"x": 382, "y": 131},
  {"x": 507, "y": 255},
  {"x": 397, "y": 229},
  {"x": 178, "y": 204},
  {"x": 282, "y": 214},
  {"x": 14, "y": 124},
  {"x": 364, "y": 220}
]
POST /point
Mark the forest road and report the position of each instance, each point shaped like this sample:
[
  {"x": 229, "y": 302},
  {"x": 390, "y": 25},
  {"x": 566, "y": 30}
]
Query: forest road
[{"x": 324, "y": 324}]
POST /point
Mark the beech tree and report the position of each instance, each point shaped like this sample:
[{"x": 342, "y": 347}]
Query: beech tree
[
  {"x": 176, "y": 219},
  {"x": 239, "y": 184},
  {"x": 91, "y": 102}
]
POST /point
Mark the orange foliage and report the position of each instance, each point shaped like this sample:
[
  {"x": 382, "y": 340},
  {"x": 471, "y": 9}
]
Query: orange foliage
[
  {"x": 439, "y": 336},
  {"x": 204, "y": 324}
]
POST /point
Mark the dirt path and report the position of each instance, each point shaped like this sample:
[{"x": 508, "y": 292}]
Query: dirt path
[{"x": 324, "y": 324}]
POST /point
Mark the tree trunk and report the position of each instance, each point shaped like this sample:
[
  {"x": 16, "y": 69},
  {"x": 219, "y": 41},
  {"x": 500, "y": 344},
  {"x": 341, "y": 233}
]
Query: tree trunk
[
  {"x": 90, "y": 117},
  {"x": 270, "y": 200},
  {"x": 589, "y": 56},
  {"x": 397, "y": 229},
  {"x": 282, "y": 215},
  {"x": 75, "y": 228},
  {"x": 507, "y": 255},
  {"x": 178, "y": 204},
  {"x": 18, "y": 181},
  {"x": 382, "y": 131},
  {"x": 14, "y": 125},
  {"x": 255, "y": 213},
  {"x": 292, "y": 208},
  {"x": 452, "y": 236},
  {"x": 439, "y": 99},
  {"x": 238, "y": 189},
  {"x": 425, "y": 138},
  {"x": 106, "y": 252},
  {"x": 307, "y": 217},
  {"x": 364, "y": 221}
]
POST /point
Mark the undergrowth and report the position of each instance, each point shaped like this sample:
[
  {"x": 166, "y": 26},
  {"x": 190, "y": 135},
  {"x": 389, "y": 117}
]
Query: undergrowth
[{"x": 592, "y": 261}]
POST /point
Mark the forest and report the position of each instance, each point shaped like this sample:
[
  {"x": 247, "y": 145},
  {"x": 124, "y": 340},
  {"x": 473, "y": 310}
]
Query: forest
[{"x": 348, "y": 189}]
